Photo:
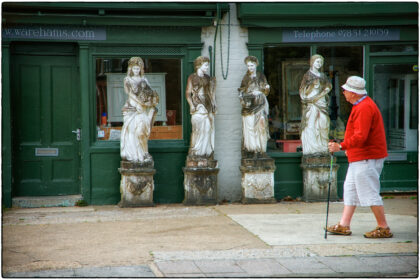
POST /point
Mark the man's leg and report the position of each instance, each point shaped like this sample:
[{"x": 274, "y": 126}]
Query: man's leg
[
  {"x": 348, "y": 212},
  {"x": 379, "y": 212}
]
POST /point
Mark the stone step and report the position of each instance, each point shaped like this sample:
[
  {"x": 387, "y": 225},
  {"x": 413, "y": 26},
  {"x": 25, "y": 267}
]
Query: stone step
[{"x": 45, "y": 201}]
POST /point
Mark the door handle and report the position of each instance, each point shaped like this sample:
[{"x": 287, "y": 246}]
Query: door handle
[{"x": 78, "y": 133}]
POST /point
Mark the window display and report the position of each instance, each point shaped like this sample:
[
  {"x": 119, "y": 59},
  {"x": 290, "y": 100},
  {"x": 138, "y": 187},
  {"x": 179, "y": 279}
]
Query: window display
[
  {"x": 164, "y": 76},
  {"x": 285, "y": 67}
]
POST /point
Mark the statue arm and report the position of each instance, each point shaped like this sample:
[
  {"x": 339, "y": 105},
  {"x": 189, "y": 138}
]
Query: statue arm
[
  {"x": 328, "y": 87},
  {"x": 265, "y": 87},
  {"x": 188, "y": 93},
  {"x": 127, "y": 86},
  {"x": 243, "y": 88},
  {"x": 213, "y": 92},
  {"x": 129, "y": 89}
]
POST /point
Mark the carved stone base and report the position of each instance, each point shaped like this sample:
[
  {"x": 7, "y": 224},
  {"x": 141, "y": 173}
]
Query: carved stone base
[
  {"x": 200, "y": 181},
  {"x": 137, "y": 184},
  {"x": 258, "y": 180},
  {"x": 316, "y": 171}
]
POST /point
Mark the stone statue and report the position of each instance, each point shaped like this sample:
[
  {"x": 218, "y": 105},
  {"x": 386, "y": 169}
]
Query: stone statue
[
  {"x": 200, "y": 94},
  {"x": 138, "y": 112},
  {"x": 315, "y": 123},
  {"x": 200, "y": 171},
  {"x": 252, "y": 94}
]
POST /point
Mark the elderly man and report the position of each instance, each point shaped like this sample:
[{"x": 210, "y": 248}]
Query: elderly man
[{"x": 365, "y": 147}]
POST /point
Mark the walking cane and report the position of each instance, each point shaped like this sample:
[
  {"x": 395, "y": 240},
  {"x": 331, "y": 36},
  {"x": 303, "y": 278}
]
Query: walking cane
[{"x": 329, "y": 189}]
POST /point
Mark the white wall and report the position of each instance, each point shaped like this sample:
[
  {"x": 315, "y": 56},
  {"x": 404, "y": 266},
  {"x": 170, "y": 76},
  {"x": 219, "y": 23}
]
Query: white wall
[{"x": 228, "y": 122}]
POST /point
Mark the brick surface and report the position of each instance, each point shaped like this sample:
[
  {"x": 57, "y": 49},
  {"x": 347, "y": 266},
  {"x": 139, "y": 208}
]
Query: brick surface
[{"x": 228, "y": 119}]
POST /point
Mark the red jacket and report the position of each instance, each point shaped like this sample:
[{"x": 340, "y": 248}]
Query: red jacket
[{"x": 365, "y": 133}]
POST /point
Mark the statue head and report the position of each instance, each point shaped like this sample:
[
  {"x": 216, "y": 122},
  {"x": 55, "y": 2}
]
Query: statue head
[
  {"x": 252, "y": 59},
  {"x": 251, "y": 62},
  {"x": 200, "y": 61},
  {"x": 314, "y": 58},
  {"x": 135, "y": 61}
]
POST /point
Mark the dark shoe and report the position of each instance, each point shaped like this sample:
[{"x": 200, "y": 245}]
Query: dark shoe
[
  {"x": 379, "y": 232},
  {"x": 339, "y": 229}
]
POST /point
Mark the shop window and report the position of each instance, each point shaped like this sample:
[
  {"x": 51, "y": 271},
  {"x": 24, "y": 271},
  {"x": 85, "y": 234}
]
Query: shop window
[
  {"x": 395, "y": 90},
  {"x": 340, "y": 63},
  {"x": 284, "y": 68},
  {"x": 164, "y": 76}
]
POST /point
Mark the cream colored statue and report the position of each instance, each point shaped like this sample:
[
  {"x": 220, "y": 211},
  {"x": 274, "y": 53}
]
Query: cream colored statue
[
  {"x": 315, "y": 124},
  {"x": 200, "y": 95},
  {"x": 138, "y": 112},
  {"x": 252, "y": 94}
]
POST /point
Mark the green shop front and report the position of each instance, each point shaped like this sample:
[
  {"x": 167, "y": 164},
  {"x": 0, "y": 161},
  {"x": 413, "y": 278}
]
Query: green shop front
[
  {"x": 378, "y": 41},
  {"x": 63, "y": 65},
  {"x": 62, "y": 70}
]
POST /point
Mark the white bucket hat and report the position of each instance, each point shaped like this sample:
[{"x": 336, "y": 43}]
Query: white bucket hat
[{"x": 355, "y": 84}]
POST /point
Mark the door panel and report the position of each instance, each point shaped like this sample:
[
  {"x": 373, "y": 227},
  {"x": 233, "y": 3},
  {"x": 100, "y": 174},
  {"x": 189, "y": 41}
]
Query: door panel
[{"x": 45, "y": 112}]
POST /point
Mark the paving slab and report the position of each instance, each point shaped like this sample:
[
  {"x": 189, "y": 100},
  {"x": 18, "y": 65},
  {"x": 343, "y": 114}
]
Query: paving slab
[
  {"x": 388, "y": 264},
  {"x": 218, "y": 266},
  {"x": 347, "y": 265},
  {"x": 305, "y": 265},
  {"x": 122, "y": 271},
  {"x": 287, "y": 229},
  {"x": 411, "y": 260},
  {"x": 179, "y": 267},
  {"x": 88, "y": 272},
  {"x": 184, "y": 275},
  {"x": 41, "y": 274},
  {"x": 263, "y": 268},
  {"x": 227, "y": 275}
]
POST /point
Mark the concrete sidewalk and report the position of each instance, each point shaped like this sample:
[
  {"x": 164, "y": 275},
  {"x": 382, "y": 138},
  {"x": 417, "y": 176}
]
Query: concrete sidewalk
[{"x": 285, "y": 239}]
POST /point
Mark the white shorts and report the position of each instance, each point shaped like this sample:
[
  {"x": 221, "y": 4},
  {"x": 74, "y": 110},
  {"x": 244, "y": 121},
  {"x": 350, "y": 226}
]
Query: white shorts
[{"x": 362, "y": 185}]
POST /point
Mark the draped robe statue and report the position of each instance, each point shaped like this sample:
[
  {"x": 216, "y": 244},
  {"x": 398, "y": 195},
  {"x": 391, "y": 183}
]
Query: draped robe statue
[
  {"x": 200, "y": 95},
  {"x": 315, "y": 123},
  {"x": 138, "y": 113},
  {"x": 252, "y": 95}
]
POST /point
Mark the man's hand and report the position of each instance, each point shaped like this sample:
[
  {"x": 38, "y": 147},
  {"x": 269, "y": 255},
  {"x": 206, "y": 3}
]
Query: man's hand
[{"x": 333, "y": 147}]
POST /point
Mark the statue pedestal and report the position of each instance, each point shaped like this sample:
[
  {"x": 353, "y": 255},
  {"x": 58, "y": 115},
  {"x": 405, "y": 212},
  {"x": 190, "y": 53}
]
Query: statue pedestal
[
  {"x": 316, "y": 171},
  {"x": 200, "y": 181},
  {"x": 258, "y": 180},
  {"x": 137, "y": 184}
]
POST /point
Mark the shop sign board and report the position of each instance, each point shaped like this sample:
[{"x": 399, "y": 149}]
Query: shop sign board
[
  {"x": 61, "y": 33},
  {"x": 362, "y": 34}
]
